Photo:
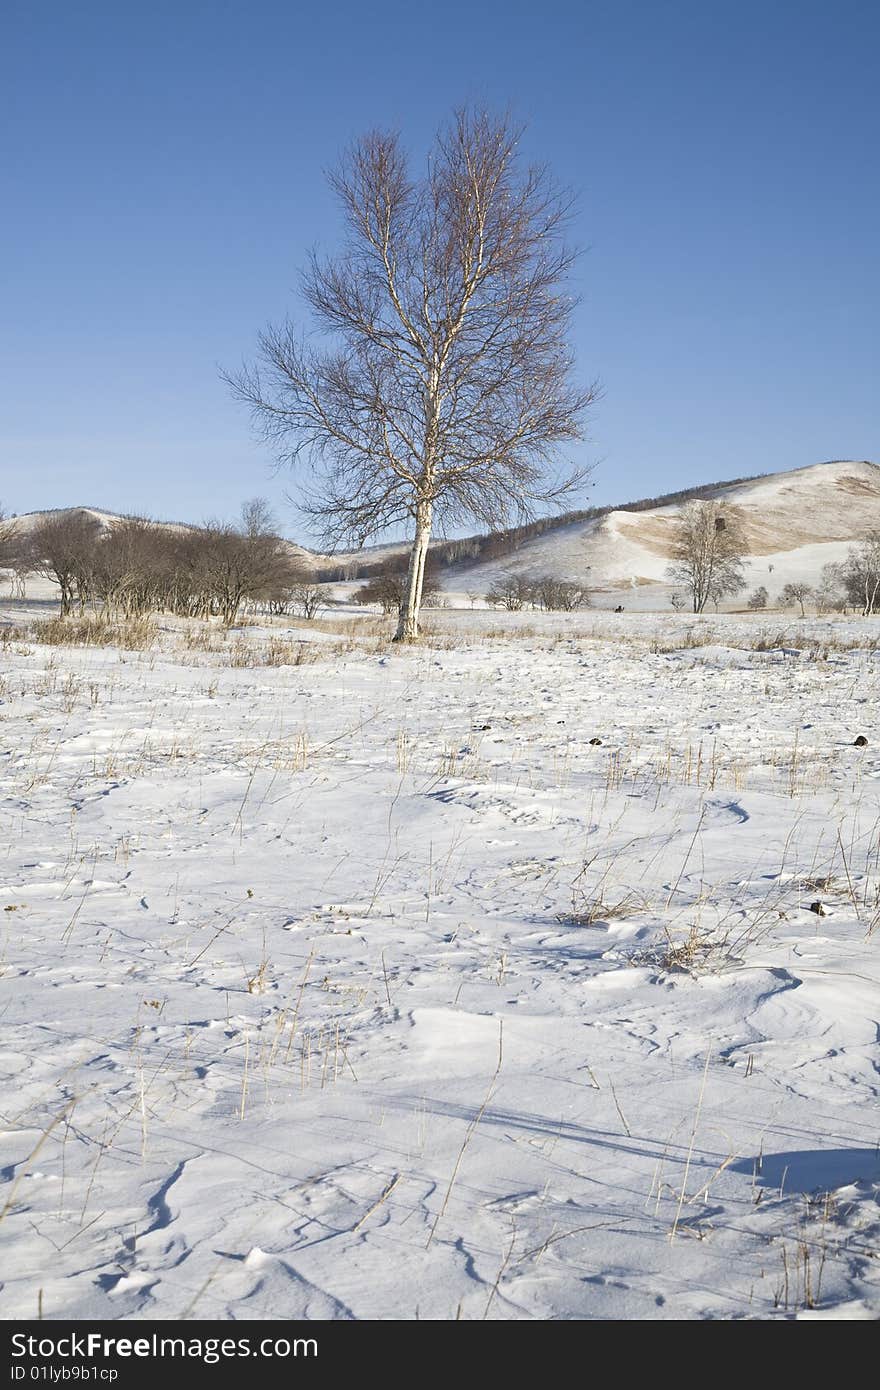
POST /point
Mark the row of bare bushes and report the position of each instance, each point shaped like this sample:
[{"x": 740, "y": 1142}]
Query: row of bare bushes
[{"x": 133, "y": 567}]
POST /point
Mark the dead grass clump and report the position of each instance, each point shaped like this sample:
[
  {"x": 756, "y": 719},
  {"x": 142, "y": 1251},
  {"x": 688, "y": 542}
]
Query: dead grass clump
[
  {"x": 684, "y": 641},
  {"x": 249, "y": 651},
  {"x": 706, "y": 950},
  {"x": 136, "y": 635},
  {"x": 201, "y": 639},
  {"x": 587, "y": 912},
  {"x": 358, "y": 625},
  {"x": 13, "y": 640},
  {"x": 810, "y": 648},
  {"x": 694, "y": 953},
  {"x": 825, "y": 883},
  {"x": 771, "y": 641},
  {"x": 281, "y": 653},
  {"x": 277, "y": 652},
  {"x": 243, "y": 653}
]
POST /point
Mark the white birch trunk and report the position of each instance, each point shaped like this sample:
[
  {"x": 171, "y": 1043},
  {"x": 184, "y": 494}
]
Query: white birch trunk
[{"x": 408, "y": 622}]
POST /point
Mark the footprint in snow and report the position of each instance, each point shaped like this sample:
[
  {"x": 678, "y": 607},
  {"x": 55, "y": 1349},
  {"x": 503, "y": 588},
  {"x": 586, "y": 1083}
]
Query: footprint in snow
[{"x": 729, "y": 810}]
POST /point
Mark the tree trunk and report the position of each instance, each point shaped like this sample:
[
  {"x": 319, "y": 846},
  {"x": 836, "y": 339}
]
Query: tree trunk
[{"x": 408, "y": 621}]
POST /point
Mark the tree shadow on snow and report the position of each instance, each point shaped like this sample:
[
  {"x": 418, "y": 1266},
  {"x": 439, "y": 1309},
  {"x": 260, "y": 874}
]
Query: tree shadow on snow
[
  {"x": 812, "y": 1170},
  {"x": 551, "y": 1127}
]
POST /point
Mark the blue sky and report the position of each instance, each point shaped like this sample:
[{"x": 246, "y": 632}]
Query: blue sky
[{"x": 164, "y": 178}]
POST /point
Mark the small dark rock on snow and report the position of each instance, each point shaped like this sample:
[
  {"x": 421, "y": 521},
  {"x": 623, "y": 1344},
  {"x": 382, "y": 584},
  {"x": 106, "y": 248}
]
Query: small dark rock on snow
[{"x": 860, "y": 742}]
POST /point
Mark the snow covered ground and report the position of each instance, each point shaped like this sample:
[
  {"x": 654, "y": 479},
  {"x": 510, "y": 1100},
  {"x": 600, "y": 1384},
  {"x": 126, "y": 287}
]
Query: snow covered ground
[{"x": 530, "y": 973}]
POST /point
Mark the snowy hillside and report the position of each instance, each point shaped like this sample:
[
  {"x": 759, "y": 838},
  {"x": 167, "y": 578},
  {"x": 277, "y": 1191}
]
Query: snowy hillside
[
  {"x": 27, "y": 521},
  {"x": 794, "y": 523}
]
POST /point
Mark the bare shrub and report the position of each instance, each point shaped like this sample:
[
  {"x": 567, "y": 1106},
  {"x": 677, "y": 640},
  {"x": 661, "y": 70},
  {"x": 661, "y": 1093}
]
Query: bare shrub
[
  {"x": 7, "y": 541},
  {"x": 559, "y": 595},
  {"x": 511, "y": 591},
  {"x": 831, "y": 594},
  {"x": 137, "y": 635},
  {"x": 388, "y": 588}
]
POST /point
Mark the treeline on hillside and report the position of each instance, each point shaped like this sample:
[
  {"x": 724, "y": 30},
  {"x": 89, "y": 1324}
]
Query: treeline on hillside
[
  {"x": 136, "y": 566},
  {"x": 497, "y": 545}
]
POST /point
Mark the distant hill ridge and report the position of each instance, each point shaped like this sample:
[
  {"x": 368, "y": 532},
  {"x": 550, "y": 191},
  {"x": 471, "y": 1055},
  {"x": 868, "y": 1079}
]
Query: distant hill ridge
[
  {"x": 101, "y": 514},
  {"x": 829, "y": 504}
]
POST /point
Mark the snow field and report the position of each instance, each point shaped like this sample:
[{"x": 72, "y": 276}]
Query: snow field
[{"x": 342, "y": 981}]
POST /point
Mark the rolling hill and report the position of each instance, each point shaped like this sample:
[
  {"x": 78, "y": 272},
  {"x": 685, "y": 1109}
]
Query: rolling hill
[{"x": 794, "y": 523}]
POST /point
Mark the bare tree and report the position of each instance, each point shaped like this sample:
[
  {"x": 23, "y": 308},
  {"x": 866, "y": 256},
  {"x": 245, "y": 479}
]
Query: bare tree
[
  {"x": 389, "y": 587},
  {"x": 9, "y": 550},
  {"x": 239, "y": 563},
  {"x": 799, "y": 593},
  {"x": 831, "y": 593},
  {"x": 759, "y": 598},
  {"x": 62, "y": 547},
  {"x": 708, "y": 553},
  {"x": 383, "y": 589},
  {"x": 19, "y": 569},
  {"x": 510, "y": 591},
  {"x": 860, "y": 574},
  {"x": 257, "y": 519},
  {"x": 559, "y": 595},
  {"x": 7, "y": 532},
  {"x": 306, "y": 596},
  {"x": 130, "y": 567},
  {"x": 448, "y": 386}
]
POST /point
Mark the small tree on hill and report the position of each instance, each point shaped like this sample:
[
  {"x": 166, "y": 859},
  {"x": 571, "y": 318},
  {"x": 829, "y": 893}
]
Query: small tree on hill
[
  {"x": 798, "y": 593},
  {"x": 708, "y": 552},
  {"x": 306, "y": 597}
]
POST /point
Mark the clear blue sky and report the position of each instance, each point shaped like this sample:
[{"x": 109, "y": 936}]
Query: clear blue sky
[{"x": 163, "y": 176}]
